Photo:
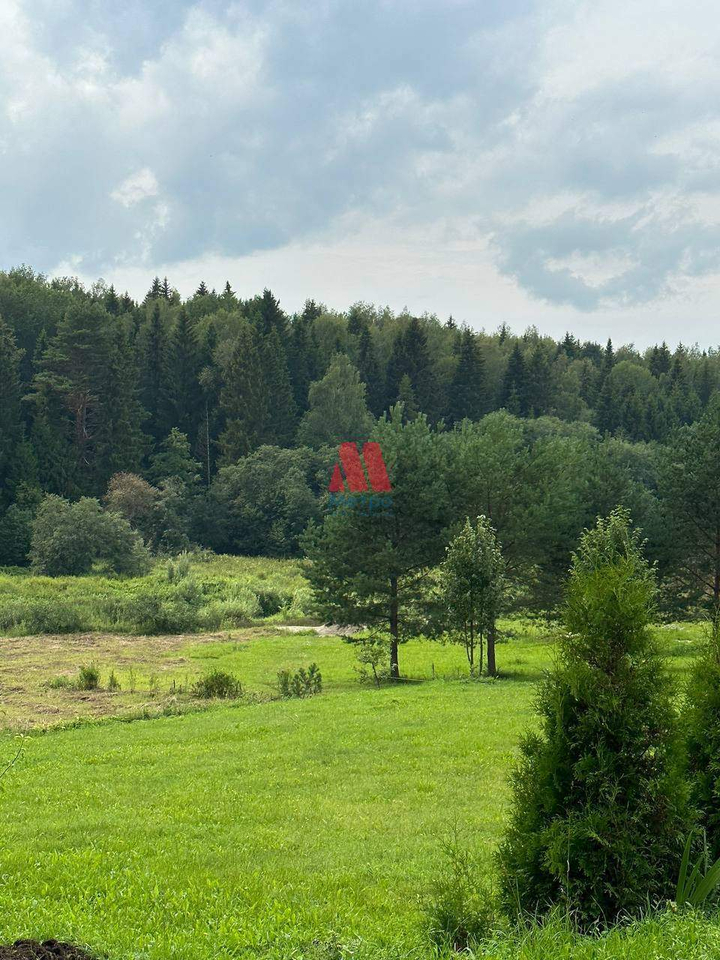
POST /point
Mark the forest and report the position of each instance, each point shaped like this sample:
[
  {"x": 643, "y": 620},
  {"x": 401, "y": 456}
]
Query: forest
[{"x": 214, "y": 422}]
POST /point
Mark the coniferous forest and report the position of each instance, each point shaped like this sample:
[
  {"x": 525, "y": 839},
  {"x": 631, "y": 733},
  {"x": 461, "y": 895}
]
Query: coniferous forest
[{"x": 214, "y": 421}]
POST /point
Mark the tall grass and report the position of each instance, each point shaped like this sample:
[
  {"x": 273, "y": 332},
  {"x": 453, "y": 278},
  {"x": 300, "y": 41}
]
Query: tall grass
[{"x": 199, "y": 593}]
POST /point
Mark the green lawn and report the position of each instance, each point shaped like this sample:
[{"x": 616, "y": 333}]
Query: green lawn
[{"x": 284, "y": 828}]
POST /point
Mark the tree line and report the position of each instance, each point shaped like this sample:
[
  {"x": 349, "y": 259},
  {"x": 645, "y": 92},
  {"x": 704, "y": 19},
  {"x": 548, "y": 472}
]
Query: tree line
[{"x": 215, "y": 421}]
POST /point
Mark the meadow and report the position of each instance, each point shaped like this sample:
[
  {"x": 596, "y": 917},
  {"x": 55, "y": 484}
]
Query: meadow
[{"x": 267, "y": 827}]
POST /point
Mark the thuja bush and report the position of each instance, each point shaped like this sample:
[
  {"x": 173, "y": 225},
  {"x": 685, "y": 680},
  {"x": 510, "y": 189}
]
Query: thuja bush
[
  {"x": 703, "y": 742},
  {"x": 599, "y": 812}
]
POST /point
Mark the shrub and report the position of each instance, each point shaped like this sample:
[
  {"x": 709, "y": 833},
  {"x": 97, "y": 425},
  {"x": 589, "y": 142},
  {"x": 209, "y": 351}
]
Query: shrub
[
  {"x": 113, "y": 682},
  {"x": 88, "y": 678},
  {"x": 703, "y": 744},
  {"x": 302, "y": 683},
  {"x": 460, "y": 911},
  {"x": 69, "y": 538},
  {"x": 599, "y": 807},
  {"x": 217, "y": 686},
  {"x": 373, "y": 654},
  {"x": 61, "y": 683}
]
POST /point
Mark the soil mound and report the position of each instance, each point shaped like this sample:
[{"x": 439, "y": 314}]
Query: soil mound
[{"x": 48, "y": 950}]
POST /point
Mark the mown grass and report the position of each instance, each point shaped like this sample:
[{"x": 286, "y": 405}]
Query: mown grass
[{"x": 297, "y": 828}]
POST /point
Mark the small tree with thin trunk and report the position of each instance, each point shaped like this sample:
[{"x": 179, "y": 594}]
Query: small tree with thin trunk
[{"x": 471, "y": 585}]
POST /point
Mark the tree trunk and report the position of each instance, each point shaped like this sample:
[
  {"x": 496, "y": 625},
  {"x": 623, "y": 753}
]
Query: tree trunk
[
  {"x": 394, "y": 631},
  {"x": 491, "y": 669}
]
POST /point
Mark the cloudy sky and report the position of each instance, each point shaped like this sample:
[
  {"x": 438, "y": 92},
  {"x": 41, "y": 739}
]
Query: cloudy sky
[{"x": 553, "y": 162}]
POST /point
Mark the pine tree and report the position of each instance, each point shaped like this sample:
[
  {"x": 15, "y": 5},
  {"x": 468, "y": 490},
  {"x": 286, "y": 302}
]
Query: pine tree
[
  {"x": 165, "y": 290},
  {"x": 202, "y": 290},
  {"x": 600, "y": 809},
  {"x": 406, "y": 397},
  {"x": 112, "y": 302},
  {"x": 468, "y": 392},
  {"x": 74, "y": 370}
]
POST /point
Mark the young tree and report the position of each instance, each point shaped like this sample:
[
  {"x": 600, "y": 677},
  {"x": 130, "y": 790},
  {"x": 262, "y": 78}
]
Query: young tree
[
  {"x": 599, "y": 810},
  {"x": 370, "y": 566},
  {"x": 338, "y": 411},
  {"x": 471, "y": 586}
]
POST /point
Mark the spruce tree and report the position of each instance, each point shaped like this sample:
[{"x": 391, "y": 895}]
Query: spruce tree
[
  {"x": 369, "y": 371},
  {"x": 10, "y": 422},
  {"x": 599, "y": 813},
  {"x": 514, "y": 392},
  {"x": 703, "y": 738},
  {"x": 180, "y": 389},
  {"x": 244, "y": 397},
  {"x": 152, "y": 345},
  {"x": 270, "y": 316},
  {"x": 282, "y": 422},
  {"x": 468, "y": 394}
]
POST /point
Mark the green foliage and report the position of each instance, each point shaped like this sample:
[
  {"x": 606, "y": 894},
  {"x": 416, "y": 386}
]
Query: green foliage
[
  {"x": 338, "y": 409},
  {"x": 301, "y": 682},
  {"x": 698, "y": 882},
  {"x": 217, "y": 685},
  {"x": 372, "y": 653},
  {"x": 460, "y": 913},
  {"x": 113, "y": 682},
  {"x": 471, "y": 589},
  {"x": 88, "y": 678},
  {"x": 702, "y": 722},
  {"x": 599, "y": 802},
  {"x": 69, "y": 538}
]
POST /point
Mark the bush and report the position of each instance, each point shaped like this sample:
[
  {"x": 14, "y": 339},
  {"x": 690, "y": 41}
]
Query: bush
[
  {"x": 217, "y": 686},
  {"x": 302, "y": 683},
  {"x": 599, "y": 808},
  {"x": 703, "y": 745},
  {"x": 88, "y": 678},
  {"x": 69, "y": 538},
  {"x": 113, "y": 682}
]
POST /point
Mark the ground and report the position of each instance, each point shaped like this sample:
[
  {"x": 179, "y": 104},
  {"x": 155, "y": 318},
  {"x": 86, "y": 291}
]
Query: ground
[{"x": 264, "y": 828}]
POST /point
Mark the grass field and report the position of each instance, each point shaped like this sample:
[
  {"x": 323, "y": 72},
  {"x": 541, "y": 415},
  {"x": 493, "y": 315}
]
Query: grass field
[{"x": 270, "y": 828}]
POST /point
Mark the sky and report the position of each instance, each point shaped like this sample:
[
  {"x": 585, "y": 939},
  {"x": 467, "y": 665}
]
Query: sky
[{"x": 554, "y": 163}]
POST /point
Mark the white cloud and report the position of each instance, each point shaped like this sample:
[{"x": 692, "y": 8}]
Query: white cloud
[{"x": 138, "y": 186}]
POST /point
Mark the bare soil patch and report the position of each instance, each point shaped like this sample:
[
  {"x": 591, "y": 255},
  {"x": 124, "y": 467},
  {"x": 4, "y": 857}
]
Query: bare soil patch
[{"x": 48, "y": 950}]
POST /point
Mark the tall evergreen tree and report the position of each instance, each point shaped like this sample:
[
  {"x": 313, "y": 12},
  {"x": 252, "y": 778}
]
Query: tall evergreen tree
[
  {"x": 10, "y": 422},
  {"x": 283, "y": 420},
  {"x": 244, "y": 397},
  {"x": 369, "y": 370},
  {"x": 270, "y": 316},
  {"x": 410, "y": 356},
  {"x": 468, "y": 391},
  {"x": 180, "y": 388},
  {"x": 152, "y": 345},
  {"x": 514, "y": 392}
]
